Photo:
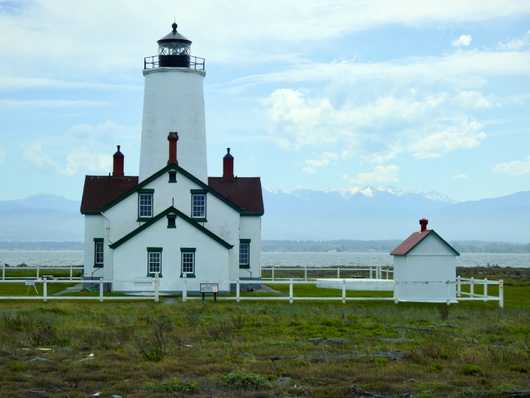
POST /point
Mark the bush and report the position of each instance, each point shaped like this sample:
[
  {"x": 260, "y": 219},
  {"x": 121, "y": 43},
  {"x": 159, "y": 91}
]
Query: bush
[
  {"x": 472, "y": 370},
  {"x": 172, "y": 386},
  {"x": 245, "y": 381},
  {"x": 155, "y": 347}
]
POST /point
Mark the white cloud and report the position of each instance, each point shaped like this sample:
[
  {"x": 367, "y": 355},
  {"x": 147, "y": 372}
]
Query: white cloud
[
  {"x": 466, "y": 135},
  {"x": 460, "y": 176},
  {"x": 81, "y": 161},
  {"x": 380, "y": 175},
  {"x": 81, "y": 32},
  {"x": 516, "y": 44},
  {"x": 49, "y": 103},
  {"x": 38, "y": 157},
  {"x": 472, "y": 100},
  {"x": 516, "y": 167},
  {"x": 82, "y": 149},
  {"x": 312, "y": 165},
  {"x": 462, "y": 41},
  {"x": 459, "y": 67}
]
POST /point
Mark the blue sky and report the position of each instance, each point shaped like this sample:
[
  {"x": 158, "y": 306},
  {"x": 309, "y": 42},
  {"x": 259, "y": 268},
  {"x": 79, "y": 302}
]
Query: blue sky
[{"x": 326, "y": 95}]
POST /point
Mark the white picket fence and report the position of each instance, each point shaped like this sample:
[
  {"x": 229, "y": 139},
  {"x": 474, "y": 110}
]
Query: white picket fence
[
  {"x": 34, "y": 283},
  {"x": 41, "y": 272},
  {"x": 308, "y": 273},
  {"x": 466, "y": 290}
]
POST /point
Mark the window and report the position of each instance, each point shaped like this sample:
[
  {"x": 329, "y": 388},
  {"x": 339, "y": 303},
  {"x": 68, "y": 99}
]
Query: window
[
  {"x": 187, "y": 262},
  {"x": 154, "y": 261},
  {"x": 98, "y": 252},
  {"x": 198, "y": 204},
  {"x": 244, "y": 253},
  {"x": 145, "y": 204},
  {"x": 172, "y": 176},
  {"x": 171, "y": 220}
]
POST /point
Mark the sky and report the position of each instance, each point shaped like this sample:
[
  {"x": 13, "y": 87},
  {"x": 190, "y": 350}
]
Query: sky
[{"x": 413, "y": 96}]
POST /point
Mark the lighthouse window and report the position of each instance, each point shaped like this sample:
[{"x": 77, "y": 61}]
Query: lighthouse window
[
  {"x": 98, "y": 252},
  {"x": 198, "y": 204},
  {"x": 154, "y": 261},
  {"x": 145, "y": 204},
  {"x": 244, "y": 253},
  {"x": 187, "y": 262}
]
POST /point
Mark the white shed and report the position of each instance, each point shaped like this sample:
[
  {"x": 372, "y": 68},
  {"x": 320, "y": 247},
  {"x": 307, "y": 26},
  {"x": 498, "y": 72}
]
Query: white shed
[{"x": 425, "y": 268}]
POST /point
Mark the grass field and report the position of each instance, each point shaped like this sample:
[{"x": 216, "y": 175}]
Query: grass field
[{"x": 256, "y": 349}]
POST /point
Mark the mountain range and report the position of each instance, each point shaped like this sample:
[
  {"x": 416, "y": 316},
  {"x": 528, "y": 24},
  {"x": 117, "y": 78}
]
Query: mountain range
[{"x": 370, "y": 214}]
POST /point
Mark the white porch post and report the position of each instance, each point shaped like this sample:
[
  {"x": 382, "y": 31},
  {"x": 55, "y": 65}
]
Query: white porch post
[
  {"x": 344, "y": 291},
  {"x": 501, "y": 293},
  {"x": 185, "y": 289},
  {"x": 100, "y": 290},
  {"x": 290, "y": 291},
  {"x": 45, "y": 290},
  {"x": 485, "y": 292},
  {"x": 238, "y": 291},
  {"x": 157, "y": 287}
]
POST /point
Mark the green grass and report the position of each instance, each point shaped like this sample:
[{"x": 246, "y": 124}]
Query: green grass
[
  {"x": 258, "y": 349},
  {"x": 20, "y": 289},
  {"x": 32, "y": 273}
]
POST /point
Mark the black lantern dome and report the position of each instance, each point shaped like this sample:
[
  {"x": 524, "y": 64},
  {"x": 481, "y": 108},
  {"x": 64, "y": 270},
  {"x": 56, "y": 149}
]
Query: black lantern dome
[
  {"x": 174, "y": 49},
  {"x": 174, "y": 52}
]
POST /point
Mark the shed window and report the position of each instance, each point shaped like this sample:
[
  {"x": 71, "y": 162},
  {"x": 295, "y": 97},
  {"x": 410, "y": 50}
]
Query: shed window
[
  {"x": 145, "y": 204},
  {"x": 154, "y": 261},
  {"x": 187, "y": 260},
  {"x": 244, "y": 253},
  {"x": 98, "y": 252},
  {"x": 198, "y": 204}
]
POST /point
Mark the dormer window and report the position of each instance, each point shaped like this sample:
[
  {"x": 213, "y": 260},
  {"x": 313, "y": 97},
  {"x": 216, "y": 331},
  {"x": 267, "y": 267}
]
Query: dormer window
[
  {"x": 198, "y": 204},
  {"x": 145, "y": 204}
]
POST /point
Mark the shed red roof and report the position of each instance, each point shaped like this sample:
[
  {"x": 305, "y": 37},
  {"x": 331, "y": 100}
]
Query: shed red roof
[
  {"x": 245, "y": 192},
  {"x": 99, "y": 191},
  {"x": 414, "y": 239}
]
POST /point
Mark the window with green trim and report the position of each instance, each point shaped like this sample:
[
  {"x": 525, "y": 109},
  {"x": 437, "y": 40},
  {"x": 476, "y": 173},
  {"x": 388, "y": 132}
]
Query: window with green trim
[
  {"x": 99, "y": 253},
  {"x": 187, "y": 262},
  {"x": 145, "y": 204},
  {"x": 198, "y": 204},
  {"x": 244, "y": 253},
  {"x": 154, "y": 261}
]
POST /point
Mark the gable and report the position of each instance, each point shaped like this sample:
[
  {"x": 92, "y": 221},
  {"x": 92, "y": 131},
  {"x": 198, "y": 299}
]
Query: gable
[
  {"x": 163, "y": 215},
  {"x": 433, "y": 245},
  {"x": 100, "y": 193},
  {"x": 418, "y": 238}
]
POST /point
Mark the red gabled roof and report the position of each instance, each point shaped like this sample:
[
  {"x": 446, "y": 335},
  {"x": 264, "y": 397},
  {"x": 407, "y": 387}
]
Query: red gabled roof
[
  {"x": 99, "y": 191},
  {"x": 245, "y": 192},
  {"x": 414, "y": 239},
  {"x": 242, "y": 193}
]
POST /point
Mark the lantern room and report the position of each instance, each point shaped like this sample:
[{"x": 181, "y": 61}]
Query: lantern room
[{"x": 174, "y": 51}]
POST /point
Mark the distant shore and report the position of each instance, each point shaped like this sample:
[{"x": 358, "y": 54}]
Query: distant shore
[{"x": 286, "y": 246}]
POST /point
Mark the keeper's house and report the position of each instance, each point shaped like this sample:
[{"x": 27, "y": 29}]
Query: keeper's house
[
  {"x": 172, "y": 219},
  {"x": 425, "y": 268}
]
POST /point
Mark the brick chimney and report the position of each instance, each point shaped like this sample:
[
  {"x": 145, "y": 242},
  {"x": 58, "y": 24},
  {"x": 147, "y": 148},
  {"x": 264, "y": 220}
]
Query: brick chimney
[
  {"x": 423, "y": 224},
  {"x": 117, "y": 164},
  {"x": 173, "y": 137},
  {"x": 228, "y": 166}
]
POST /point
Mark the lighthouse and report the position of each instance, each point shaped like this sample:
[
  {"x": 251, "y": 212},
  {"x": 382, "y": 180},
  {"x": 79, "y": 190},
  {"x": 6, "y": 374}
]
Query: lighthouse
[{"x": 173, "y": 101}]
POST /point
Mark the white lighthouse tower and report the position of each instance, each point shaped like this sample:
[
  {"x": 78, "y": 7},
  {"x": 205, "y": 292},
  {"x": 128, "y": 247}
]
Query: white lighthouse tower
[{"x": 173, "y": 101}]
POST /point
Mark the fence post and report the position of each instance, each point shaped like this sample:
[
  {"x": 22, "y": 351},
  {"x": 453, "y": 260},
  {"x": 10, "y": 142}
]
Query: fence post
[
  {"x": 305, "y": 273},
  {"x": 71, "y": 271},
  {"x": 338, "y": 271},
  {"x": 4, "y": 272},
  {"x": 501, "y": 293},
  {"x": 290, "y": 291},
  {"x": 238, "y": 291},
  {"x": 272, "y": 270},
  {"x": 45, "y": 290},
  {"x": 344, "y": 291},
  {"x": 38, "y": 271},
  {"x": 458, "y": 287},
  {"x": 101, "y": 290},
  {"x": 485, "y": 291},
  {"x": 472, "y": 287},
  {"x": 185, "y": 289},
  {"x": 157, "y": 287}
]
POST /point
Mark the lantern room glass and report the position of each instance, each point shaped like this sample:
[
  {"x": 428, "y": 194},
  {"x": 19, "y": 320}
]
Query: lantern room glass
[{"x": 174, "y": 49}]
